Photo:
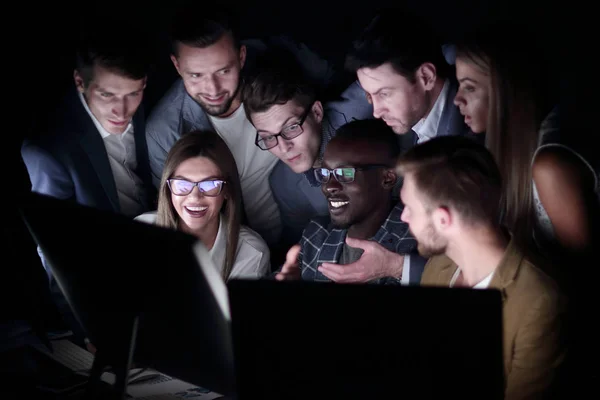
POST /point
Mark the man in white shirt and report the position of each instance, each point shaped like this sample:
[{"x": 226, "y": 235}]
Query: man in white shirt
[
  {"x": 209, "y": 59},
  {"x": 211, "y": 62},
  {"x": 451, "y": 195},
  {"x": 94, "y": 151}
]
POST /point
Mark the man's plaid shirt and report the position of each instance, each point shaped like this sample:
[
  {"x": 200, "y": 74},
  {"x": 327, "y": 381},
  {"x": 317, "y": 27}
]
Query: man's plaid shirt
[{"x": 322, "y": 243}]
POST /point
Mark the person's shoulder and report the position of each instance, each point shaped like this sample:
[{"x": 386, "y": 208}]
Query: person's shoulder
[
  {"x": 53, "y": 138},
  {"x": 551, "y": 125},
  {"x": 166, "y": 112},
  {"x": 394, "y": 223},
  {"x": 560, "y": 164},
  {"x": 438, "y": 271},
  {"x": 533, "y": 281},
  {"x": 252, "y": 241},
  {"x": 283, "y": 174},
  {"x": 287, "y": 184},
  {"x": 317, "y": 229},
  {"x": 253, "y": 256},
  {"x": 437, "y": 263},
  {"x": 352, "y": 103},
  {"x": 148, "y": 217},
  {"x": 534, "y": 290}
]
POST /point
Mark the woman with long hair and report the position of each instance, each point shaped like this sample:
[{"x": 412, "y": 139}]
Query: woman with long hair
[
  {"x": 550, "y": 189},
  {"x": 200, "y": 194}
]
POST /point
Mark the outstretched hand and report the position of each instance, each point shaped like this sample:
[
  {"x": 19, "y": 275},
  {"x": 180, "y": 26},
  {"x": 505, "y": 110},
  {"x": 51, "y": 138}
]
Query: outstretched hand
[
  {"x": 290, "y": 269},
  {"x": 376, "y": 262}
]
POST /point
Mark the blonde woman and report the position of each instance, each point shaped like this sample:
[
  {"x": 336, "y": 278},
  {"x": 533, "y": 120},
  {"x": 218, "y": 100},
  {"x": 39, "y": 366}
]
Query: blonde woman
[
  {"x": 550, "y": 193},
  {"x": 200, "y": 194}
]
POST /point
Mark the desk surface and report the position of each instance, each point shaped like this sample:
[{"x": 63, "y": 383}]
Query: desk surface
[{"x": 25, "y": 369}]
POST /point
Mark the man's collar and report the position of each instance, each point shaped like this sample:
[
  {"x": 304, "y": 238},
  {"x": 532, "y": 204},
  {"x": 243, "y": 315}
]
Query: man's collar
[
  {"x": 508, "y": 267},
  {"x": 427, "y": 127}
]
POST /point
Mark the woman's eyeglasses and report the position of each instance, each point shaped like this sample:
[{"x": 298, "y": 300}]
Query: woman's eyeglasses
[{"x": 182, "y": 187}]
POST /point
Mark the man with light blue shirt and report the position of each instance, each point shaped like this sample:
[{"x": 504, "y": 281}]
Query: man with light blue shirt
[{"x": 294, "y": 126}]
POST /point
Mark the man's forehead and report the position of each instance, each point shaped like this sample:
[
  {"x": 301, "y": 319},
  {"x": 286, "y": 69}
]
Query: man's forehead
[
  {"x": 112, "y": 81},
  {"x": 218, "y": 54},
  {"x": 278, "y": 113},
  {"x": 351, "y": 152},
  {"x": 379, "y": 78}
]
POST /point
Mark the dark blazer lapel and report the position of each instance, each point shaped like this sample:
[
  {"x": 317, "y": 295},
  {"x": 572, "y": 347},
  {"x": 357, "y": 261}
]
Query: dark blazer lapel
[{"x": 92, "y": 144}]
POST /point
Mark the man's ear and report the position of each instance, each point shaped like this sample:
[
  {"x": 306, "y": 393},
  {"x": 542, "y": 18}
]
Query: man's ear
[
  {"x": 78, "y": 81},
  {"x": 389, "y": 178},
  {"x": 442, "y": 218},
  {"x": 317, "y": 110},
  {"x": 175, "y": 63},
  {"x": 427, "y": 75}
]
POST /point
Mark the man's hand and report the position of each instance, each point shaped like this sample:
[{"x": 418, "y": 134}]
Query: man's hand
[
  {"x": 376, "y": 262},
  {"x": 90, "y": 347},
  {"x": 290, "y": 269}
]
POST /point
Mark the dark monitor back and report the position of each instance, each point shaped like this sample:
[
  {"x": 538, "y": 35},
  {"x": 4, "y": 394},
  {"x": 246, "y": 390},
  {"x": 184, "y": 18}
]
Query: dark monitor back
[
  {"x": 301, "y": 340},
  {"x": 112, "y": 269}
]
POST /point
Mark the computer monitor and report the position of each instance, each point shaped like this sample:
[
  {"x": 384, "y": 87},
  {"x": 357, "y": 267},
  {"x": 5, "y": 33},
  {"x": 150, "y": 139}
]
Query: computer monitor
[
  {"x": 142, "y": 293},
  {"x": 307, "y": 340}
]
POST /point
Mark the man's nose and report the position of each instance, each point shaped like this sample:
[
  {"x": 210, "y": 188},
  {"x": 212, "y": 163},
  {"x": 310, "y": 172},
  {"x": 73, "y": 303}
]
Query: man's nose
[
  {"x": 120, "y": 109},
  {"x": 284, "y": 145},
  {"x": 332, "y": 185},
  {"x": 378, "y": 109},
  {"x": 213, "y": 87}
]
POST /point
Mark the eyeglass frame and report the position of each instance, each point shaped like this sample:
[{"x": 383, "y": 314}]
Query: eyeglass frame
[
  {"x": 196, "y": 184},
  {"x": 259, "y": 139},
  {"x": 365, "y": 167}
]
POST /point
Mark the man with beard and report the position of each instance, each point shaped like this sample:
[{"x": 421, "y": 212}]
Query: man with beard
[
  {"x": 209, "y": 58},
  {"x": 411, "y": 86},
  {"x": 357, "y": 177},
  {"x": 451, "y": 195}
]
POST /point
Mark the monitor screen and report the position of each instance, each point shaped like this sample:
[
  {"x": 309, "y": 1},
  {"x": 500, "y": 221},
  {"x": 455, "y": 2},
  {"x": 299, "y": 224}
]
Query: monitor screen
[
  {"x": 307, "y": 340},
  {"x": 131, "y": 282}
]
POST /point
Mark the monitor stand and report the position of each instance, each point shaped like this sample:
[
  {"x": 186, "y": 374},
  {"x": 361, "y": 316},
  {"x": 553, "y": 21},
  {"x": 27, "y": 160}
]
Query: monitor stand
[{"x": 119, "y": 358}]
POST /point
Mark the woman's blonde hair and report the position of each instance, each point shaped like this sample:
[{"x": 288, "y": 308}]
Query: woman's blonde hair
[{"x": 205, "y": 144}]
